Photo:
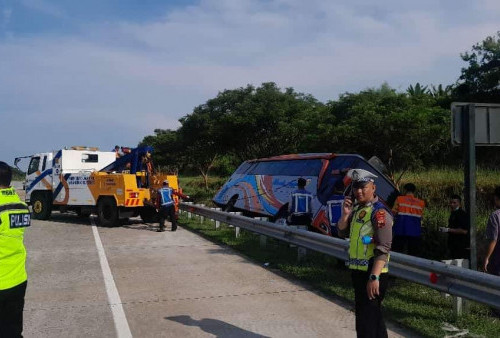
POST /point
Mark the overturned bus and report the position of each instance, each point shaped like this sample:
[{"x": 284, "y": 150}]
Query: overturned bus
[{"x": 262, "y": 187}]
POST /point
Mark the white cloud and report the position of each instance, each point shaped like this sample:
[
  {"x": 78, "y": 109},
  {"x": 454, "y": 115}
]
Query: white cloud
[{"x": 121, "y": 81}]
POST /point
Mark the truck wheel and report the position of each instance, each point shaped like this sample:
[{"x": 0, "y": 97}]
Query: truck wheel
[
  {"x": 149, "y": 215},
  {"x": 107, "y": 212},
  {"x": 42, "y": 207}
]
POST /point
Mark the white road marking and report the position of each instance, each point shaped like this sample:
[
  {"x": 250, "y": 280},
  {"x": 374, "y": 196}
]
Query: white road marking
[{"x": 121, "y": 323}]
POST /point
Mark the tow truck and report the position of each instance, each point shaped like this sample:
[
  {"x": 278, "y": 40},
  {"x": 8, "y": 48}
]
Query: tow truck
[{"x": 88, "y": 181}]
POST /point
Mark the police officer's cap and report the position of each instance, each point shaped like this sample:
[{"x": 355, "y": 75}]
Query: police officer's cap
[
  {"x": 165, "y": 182},
  {"x": 361, "y": 177}
]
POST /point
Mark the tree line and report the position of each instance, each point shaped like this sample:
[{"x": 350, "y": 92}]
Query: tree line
[{"x": 406, "y": 130}]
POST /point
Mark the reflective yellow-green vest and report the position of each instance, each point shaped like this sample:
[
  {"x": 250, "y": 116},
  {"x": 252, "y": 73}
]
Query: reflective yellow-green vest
[
  {"x": 14, "y": 218},
  {"x": 361, "y": 225}
]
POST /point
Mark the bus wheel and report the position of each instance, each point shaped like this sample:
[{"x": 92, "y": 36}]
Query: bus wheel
[
  {"x": 107, "y": 212},
  {"x": 41, "y": 205},
  {"x": 230, "y": 204}
]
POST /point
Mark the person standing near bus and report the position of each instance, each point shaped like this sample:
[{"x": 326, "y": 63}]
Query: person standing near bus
[
  {"x": 407, "y": 229},
  {"x": 491, "y": 263},
  {"x": 369, "y": 227},
  {"x": 334, "y": 206},
  {"x": 300, "y": 209}
]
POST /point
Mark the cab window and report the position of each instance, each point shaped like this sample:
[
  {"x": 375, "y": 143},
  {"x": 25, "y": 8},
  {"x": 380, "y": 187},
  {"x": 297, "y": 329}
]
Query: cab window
[{"x": 34, "y": 164}]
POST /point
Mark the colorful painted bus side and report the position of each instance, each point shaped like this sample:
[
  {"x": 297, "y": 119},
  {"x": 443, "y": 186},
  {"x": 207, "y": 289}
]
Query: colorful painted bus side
[{"x": 263, "y": 186}]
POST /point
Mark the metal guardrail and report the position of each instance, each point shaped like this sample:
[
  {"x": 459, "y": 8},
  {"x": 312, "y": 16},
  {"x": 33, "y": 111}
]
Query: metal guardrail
[{"x": 474, "y": 285}]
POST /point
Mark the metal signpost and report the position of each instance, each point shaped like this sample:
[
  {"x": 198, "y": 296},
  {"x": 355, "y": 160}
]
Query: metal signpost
[{"x": 473, "y": 124}]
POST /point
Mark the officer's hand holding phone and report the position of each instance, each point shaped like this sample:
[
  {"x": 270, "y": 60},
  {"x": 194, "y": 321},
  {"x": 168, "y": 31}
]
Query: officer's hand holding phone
[{"x": 347, "y": 205}]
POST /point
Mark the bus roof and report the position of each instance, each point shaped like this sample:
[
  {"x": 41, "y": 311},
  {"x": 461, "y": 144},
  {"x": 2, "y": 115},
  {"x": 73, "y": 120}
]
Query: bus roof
[{"x": 306, "y": 156}]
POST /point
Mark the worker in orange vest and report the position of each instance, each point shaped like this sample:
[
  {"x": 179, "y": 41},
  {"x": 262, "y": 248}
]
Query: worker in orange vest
[{"x": 407, "y": 229}]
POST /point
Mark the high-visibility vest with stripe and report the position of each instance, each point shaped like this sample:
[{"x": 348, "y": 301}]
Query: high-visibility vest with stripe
[
  {"x": 14, "y": 217},
  {"x": 166, "y": 196},
  {"x": 301, "y": 202},
  {"x": 408, "y": 221},
  {"x": 361, "y": 254}
]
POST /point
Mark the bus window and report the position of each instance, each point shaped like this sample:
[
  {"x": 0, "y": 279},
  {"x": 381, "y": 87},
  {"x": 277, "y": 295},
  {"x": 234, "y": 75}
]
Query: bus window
[
  {"x": 287, "y": 168},
  {"x": 385, "y": 189},
  {"x": 243, "y": 168},
  {"x": 335, "y": 174}
]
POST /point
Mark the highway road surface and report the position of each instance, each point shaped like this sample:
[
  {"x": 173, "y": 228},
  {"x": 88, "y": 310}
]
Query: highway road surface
[{"x": 90, "y": 281}]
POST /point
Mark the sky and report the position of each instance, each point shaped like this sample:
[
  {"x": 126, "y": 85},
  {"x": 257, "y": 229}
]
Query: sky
[{"x": 107, "y": 72}]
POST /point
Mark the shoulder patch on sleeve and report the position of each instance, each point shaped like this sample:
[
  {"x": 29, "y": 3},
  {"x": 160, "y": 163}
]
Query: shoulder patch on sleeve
[{"x": 380, "y": 218}]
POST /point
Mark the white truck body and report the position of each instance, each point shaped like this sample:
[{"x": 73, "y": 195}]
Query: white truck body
[{"x": 66, "y": 174}]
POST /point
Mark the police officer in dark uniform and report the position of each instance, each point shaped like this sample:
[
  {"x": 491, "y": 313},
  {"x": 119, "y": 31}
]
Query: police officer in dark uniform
[
  {"x": 14, "y": 218},
  {"x": 368, "y": 224}
]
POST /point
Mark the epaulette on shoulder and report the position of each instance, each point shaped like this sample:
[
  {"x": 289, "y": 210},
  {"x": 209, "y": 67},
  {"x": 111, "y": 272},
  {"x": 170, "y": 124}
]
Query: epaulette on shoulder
[{"x": 379, "y": 205}]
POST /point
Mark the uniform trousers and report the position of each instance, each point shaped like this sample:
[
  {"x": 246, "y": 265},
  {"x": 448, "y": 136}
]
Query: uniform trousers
[
  {"x": 167, "y": 211},
  {"x": 11, "y": 311},
  {"x": 369, "y": 318}
]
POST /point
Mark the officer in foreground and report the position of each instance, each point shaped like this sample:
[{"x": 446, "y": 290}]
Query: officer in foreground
[
  {"x": 368, "y": 224},
  {"x": 14, "y": 217}
]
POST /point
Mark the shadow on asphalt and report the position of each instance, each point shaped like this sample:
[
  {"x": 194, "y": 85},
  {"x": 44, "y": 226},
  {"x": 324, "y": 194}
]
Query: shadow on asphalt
[
  {"x": 216, "y": 327},
  {"x": 68, "y": 218},
  {"x": 133, "y": 224}
]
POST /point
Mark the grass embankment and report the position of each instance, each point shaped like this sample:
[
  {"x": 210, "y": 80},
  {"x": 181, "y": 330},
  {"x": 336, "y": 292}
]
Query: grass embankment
[{"x": 418, "y": 308}]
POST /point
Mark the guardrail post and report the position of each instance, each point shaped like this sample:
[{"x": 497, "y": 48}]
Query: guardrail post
[
  {"x": 293, "y": 227},
  {"x": 263, "y": 238},
  {"x": 211, "y": 219},
  {"x": 217, "y": 223},
  {"x": 459, "y": 304},
  {"x": 228, "y": 224},
  {"x": 202, "y": 218},
  {"x": 301, "y": 252},
  {"x": 237, "y": 230},
  {"x": 189, "y": 214}
]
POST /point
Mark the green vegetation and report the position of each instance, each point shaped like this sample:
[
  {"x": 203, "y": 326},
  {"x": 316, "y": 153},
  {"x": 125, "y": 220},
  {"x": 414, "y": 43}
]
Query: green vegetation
[
  {"x": 18, "y": 175},
  {"x": 408, "y": 130},
  {"x": 194, "y": 186}
]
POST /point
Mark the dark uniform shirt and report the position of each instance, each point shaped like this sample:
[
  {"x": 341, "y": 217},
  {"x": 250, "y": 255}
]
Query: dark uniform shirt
[{"x": 458, "y": 243}]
